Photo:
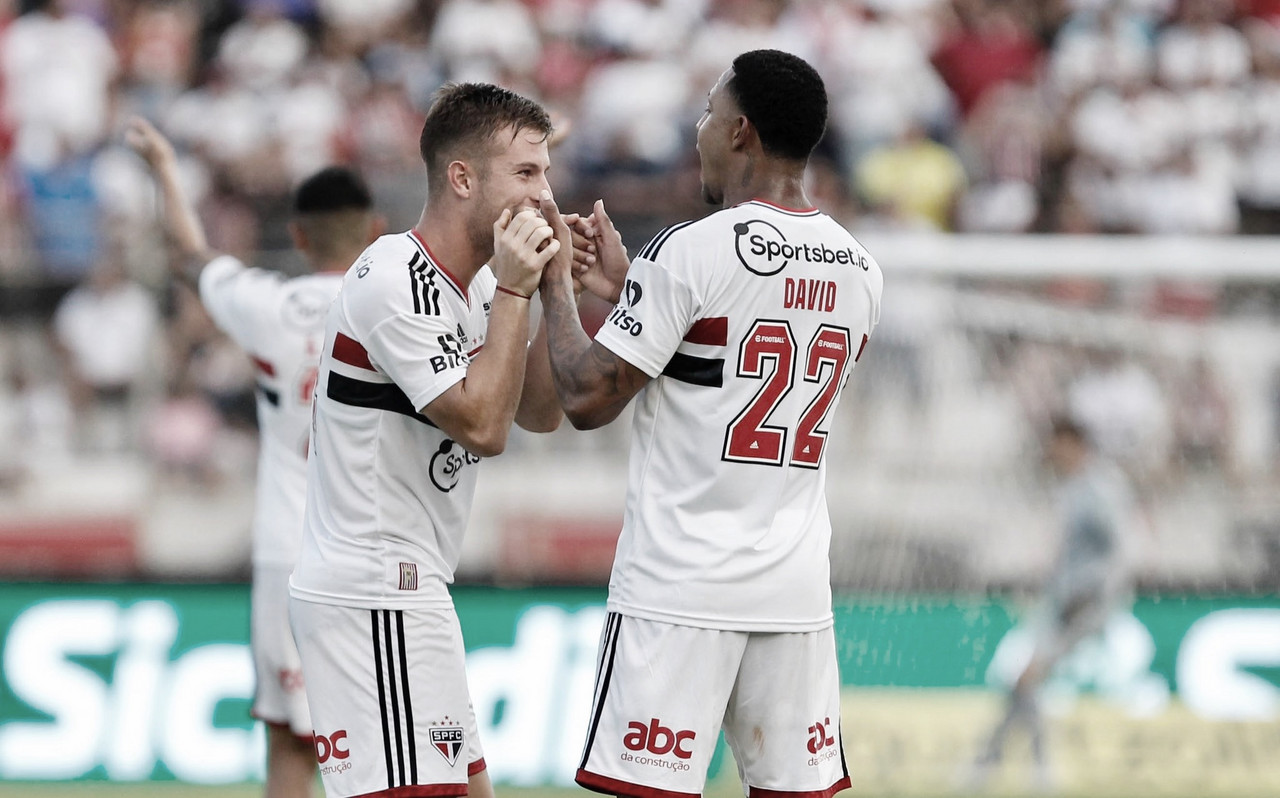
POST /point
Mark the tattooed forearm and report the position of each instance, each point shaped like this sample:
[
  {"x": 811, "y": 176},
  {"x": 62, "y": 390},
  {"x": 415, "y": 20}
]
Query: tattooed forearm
[{"x": 593, "y": 383}]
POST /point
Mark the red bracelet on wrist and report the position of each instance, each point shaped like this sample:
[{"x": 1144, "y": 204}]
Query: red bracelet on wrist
[{"x": 515, "y": 293}]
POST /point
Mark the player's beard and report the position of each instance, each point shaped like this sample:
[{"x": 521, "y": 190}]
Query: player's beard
[
  {"x": 710, "y": 193},
  {"x": 480, "y": 225},
  {"x": 710, "y": 197}
]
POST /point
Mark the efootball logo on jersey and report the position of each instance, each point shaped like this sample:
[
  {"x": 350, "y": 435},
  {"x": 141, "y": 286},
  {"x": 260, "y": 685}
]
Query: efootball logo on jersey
[
  {"x": 764, "y": 250},
  {"x": 448, "y": 740}
]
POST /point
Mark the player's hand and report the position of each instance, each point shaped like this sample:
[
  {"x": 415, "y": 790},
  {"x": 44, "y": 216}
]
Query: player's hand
[
  {"x": 522, "y": 246},
  {"x": 607, "y": 270},
  {"x": 584, "y": 248},
  {"x": 561, "y": 266},
  {"x": 148, "y": 142}
]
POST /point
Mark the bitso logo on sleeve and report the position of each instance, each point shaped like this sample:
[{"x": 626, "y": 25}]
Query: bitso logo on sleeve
[{"x": 448, "y": 738}]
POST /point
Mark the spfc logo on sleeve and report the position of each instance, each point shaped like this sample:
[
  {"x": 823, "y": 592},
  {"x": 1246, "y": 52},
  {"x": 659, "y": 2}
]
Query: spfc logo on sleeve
[{"x": 448, "y": 741}]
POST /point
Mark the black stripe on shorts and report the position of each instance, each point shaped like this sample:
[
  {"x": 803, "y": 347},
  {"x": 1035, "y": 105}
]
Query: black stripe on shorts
[{"x": 604, "y": 672}]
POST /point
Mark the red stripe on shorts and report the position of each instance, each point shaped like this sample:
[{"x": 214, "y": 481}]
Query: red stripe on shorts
[
  {"x": 759, "y": 792},
  {"x": 419, "y": 791},
  {"x": 604, "y": 784}
]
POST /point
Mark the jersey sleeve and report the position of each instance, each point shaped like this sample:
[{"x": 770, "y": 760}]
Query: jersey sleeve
[
  {"x": 238, "y": 298},
  {"x": 651, "y": 318},
  {"x": 421, "y": 354}
]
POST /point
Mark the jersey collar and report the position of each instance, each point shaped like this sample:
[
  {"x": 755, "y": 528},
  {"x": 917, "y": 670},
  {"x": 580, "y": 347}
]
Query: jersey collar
[
  {"x": 448, "y": 275},
  {"x": 781, "y": 208}
]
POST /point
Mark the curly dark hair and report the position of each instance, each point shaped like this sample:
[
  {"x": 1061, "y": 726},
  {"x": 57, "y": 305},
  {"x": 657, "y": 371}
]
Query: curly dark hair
[
  {"x": 463, "y": 119},
  {"x": 785, "y": 99}
]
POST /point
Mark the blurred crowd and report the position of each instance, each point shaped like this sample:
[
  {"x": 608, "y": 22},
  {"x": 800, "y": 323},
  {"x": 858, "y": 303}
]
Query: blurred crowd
[{"x": 1080, "y": 116}]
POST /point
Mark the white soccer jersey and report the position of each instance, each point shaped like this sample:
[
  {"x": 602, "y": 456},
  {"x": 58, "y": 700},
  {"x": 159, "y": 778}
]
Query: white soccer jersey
[
  {"x": 280, "y": 323},
  {"x": 389, "y": 494},
  {"x": 749, "y": 321}
]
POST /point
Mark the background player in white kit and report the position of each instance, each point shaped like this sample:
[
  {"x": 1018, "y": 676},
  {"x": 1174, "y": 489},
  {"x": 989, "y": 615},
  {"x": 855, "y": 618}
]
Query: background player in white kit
[
  {"x": 738, "y": 333},
  {"x": 426, "y": 363},
  {"x": 280, "y": 323},
  {"x": 1090, "y": 581}
]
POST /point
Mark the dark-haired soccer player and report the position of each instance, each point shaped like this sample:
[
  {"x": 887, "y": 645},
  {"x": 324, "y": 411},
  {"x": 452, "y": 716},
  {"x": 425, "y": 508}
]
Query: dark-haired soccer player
[
  {"x": 737, "y": 333},
  {"x": 280, "y": 323},
  {"x": 426, "y": 362}
]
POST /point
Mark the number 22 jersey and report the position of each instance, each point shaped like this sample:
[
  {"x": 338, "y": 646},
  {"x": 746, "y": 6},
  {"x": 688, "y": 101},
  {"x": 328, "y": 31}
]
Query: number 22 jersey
[{"x": 749, "y": 322}]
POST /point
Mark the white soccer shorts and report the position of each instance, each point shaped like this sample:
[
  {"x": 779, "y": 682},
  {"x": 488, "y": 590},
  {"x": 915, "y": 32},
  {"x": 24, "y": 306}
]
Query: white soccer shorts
[
  {"x": 389, "y": 700},
  {"x": 664, "y": 691},
  {"x": 279, "y": 698}
]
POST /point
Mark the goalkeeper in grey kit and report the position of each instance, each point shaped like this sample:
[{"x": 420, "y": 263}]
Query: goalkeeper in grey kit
[{"x": 1091, "y": 580}]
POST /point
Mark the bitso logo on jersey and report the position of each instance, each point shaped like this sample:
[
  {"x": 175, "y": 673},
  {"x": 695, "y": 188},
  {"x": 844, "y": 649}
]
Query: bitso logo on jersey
[
  {"x": 448, "y": 741},
  {"x": 764, "y": 250}
]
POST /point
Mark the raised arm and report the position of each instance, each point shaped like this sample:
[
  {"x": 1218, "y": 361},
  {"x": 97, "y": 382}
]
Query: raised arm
[
  {"x": 592, "y": 382},
  {"x": 478, "y": 410},
  {"x": 180, "y": 220},
  {"x": 540, "y": 409}
]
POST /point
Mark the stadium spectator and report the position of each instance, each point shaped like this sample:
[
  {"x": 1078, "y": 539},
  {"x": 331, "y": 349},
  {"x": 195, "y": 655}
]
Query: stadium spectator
[
  {"x": 987, "y": 44},
  {"x": 881, "y": 82},
  {"x": 913, "y": 178},
  {"x": 107, "y": 330},
  {"x": 58, "y": 67}
]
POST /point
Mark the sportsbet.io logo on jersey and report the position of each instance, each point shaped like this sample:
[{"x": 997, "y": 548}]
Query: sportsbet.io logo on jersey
[
  {"x": 764, "y": 250},
  {"x": 447, "y": 464}
]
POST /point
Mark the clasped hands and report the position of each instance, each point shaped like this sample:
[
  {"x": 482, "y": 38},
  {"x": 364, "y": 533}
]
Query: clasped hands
[{"x": 535, "y": 248}]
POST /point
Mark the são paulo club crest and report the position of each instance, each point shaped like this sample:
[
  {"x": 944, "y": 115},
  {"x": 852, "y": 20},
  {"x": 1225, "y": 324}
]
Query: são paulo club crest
[{"x": 449, "y": 739}]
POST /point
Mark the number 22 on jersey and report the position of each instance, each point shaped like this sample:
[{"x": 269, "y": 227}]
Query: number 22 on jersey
[{"x": 768, "y": 353}]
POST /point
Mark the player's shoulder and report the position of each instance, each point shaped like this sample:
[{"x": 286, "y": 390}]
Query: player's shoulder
[
  {"x": 387, "y": 253},
  {"x": 397, "y": 275},
  {"x": 305, "y": 300}
]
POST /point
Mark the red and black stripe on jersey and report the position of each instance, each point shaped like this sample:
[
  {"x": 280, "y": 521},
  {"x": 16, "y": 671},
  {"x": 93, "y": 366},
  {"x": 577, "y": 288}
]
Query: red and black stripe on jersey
[
  {"x": 361, "y": 393},
  {"x": 705, "y": 371}
]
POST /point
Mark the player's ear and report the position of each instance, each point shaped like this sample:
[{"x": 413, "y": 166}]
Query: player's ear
[
  {"x": 298, "y": 236},
  {"x": 461, "y": 178},
  {"x": 743, "y": 133}
]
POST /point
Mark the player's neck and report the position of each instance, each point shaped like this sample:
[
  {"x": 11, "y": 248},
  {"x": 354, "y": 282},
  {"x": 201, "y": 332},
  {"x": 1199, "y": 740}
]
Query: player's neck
[
  {"x": 775, "y": 182},
  {"x": 447, "y": 242},
  {"x": 335, "y": 265}
]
